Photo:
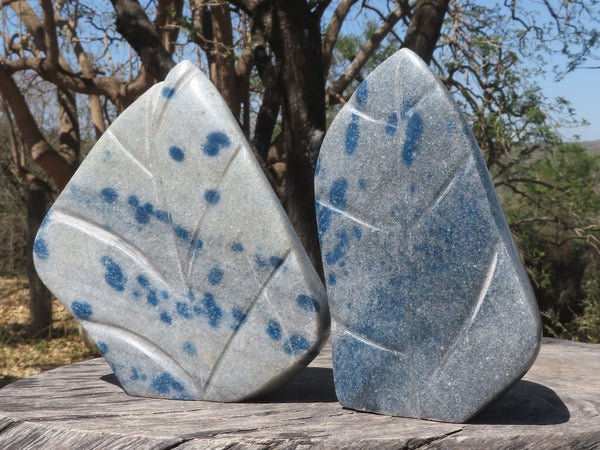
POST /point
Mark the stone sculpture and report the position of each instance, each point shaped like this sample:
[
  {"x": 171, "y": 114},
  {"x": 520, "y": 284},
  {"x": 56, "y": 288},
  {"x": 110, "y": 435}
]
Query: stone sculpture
[
  {"x": 173, "y": 252},
  {"x": 432, "y": 312}
]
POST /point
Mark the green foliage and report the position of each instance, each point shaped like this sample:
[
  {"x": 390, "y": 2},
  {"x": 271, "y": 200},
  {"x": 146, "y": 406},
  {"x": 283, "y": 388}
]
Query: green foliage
[{"x": 552, "y": 202}]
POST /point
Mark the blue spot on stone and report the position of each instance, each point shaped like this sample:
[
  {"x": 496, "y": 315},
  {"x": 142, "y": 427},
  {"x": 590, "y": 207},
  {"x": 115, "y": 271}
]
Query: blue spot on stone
[
  {"x": 362, "y": 93},
  {"x": 362, "y": 184},
  {"x": 182, "y": 310},
  {"x": 162, "y": 216},
  {"x": 40, "y": 249},
  {"x": 295, "y": 345},
  {"x": 352, "y": 134},
  {"x": 137, "y": 294},
  {"x": 332, "y": 280},
  {"x": 339, "y": 250},
  {"x": 407, "y": 108},
  {"x": 261, "y": 262},
  {"x": 114, "y": 275},
  {"x": 152, "y": 298},
  {"x": 165, "y": 382},
  {"x": 449, "y": 126},
  {"x": 392, "y": 124},
  {"x": 82, "y": 310},
  {"x": 133, "y": 200},
  {"x": 166, "y": 318},
  {"x": 210, "y": 309},
  {"x": 307, "y": 303},
  {"x": 182, "y": 233},
  {"x": 102, "y": 347},
  {"x": 168, "y": 92},
  {"x": 239, "y": 317},
  {"x": 274, "y": 330},
  {"x": 215, "y": 142},
  {"x": 215, "y": 276},
  {"x": 237, "y": 247},
  {"x": 414, "y": 131},
  {"x": 143, "y": 213},
  {"x": 197, "y": 243},
  {"x": 176, "y": 153},
  {"x": 164, "y": 294},
  {"x": 134, "y": 374},
  {"x": 357, "y": 232},
  {"x": 143, "y": 281},
  {"x": 275, "y": 261},
  {"x": 337, "y": 194},
  {"x": 109, "y": 195},
  {"x": 212, "y": 196},
  {"x": 189, "y": 348},
  {"x": 323, "y": 219}
]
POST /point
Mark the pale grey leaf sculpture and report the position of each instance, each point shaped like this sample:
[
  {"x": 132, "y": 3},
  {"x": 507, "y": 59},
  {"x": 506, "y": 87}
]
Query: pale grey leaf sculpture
[
  {"x": 172, "y": 250},
  {"x": 432, "y": 312}
]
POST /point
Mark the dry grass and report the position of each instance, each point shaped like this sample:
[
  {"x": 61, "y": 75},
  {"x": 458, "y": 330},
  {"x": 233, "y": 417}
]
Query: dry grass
[{"x": 21, "y": 353}]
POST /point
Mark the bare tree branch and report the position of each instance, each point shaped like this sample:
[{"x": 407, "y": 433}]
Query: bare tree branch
[
  {"x": 41, "y": 151},
  {"x": 336, "y": 90},
  {"x": 136, "y": 28},
  {"x": 51, "y": 40},
  {"x": 333, "y": 31}
]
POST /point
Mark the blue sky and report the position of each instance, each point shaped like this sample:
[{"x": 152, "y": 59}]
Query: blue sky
[{"x": 581, "y": 89}]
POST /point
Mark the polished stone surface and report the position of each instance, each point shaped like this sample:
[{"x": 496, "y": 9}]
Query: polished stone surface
[
  {"x": 171, "y": 249},
  {"x": 432, "y": 312}
]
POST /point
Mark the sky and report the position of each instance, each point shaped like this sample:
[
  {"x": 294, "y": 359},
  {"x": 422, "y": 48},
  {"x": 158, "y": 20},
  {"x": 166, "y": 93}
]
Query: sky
[{"x": 581, "y": 88}]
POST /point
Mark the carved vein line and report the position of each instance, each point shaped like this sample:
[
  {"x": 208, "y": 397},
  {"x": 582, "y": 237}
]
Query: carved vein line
[
  {"x": 348, "y": 216},
  {"x": 472, "y": 317},
  {"x": 366, "y": 117},
  {"x": 109, "y": 238},
  {"x": 179, "y": 84},
  {"x": 190, "y": 253},
  {"x": 154, "y": 120},
  {"x": 139, "y": 342},
  {"x": 130, "y": 155},
  {"x": 485, "y": 287},
  {"x": 365, "y": 340},
  {"x": 442, "y": 192},
  {"x": 247, "y": 312}
]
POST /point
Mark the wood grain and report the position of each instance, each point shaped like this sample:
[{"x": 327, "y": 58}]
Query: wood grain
[{"x": 556, "y": 405}]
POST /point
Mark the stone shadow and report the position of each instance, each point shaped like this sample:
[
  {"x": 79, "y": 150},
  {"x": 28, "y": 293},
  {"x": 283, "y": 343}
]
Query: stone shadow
[
  {"x": 311, "y": 385},
  {"x": 112, "y": 379},
  {"x": 525, "y": 403}
]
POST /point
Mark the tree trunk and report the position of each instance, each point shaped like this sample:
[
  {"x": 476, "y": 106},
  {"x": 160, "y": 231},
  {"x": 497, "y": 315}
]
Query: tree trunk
[
  {"x": 425, "y": 27},
  {"x": 39, "y": 295},
  {"x": 69, "y": 137},
  {"x": 294, "y": 33}
]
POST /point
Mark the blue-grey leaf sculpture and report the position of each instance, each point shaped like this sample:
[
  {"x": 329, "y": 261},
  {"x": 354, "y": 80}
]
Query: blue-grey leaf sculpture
[
  {"x": 174, "y": 253},
  {"x": 432, "y": 312}
]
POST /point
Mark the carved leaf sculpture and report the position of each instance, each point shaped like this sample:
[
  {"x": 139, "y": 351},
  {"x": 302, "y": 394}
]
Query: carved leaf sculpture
[
  {"x": 432, "y": 312},
  {"x": 171, "y": 249}
]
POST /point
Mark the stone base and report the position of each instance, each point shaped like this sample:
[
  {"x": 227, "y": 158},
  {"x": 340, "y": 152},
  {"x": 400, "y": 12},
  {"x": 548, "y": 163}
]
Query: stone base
[{"x": 556, "y": 405}]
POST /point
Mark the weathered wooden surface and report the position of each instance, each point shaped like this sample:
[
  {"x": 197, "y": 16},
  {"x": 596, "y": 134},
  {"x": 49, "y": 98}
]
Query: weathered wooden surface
[{"x": 557, "y": 405}]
